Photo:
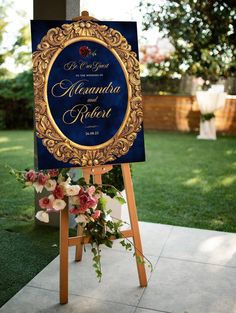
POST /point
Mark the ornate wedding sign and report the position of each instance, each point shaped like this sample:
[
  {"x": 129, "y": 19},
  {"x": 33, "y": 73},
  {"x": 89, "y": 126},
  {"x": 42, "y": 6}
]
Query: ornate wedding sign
[{"x": 88, "y": 108}]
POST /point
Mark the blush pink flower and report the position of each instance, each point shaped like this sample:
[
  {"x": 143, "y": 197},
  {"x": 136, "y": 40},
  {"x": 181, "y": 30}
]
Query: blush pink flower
[
  {"x": 42, "y": 179},
  {"x": 53, "y": 172},
  {"x": 91, "y": 190},
  {"x": 87, "y": 202},
  {"x": 31, "y": 176},
  {"x": 59, "y": 192},
  {"x": 96, "y": 214},
  {"x": 45, "y": 203}
]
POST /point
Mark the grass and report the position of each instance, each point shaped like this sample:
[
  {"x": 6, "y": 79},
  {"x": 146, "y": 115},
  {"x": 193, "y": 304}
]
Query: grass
[
  {"x": 25, "y": 248},
  {"x": 184, "y": 182},
  {"x": 187, "y": 182}
]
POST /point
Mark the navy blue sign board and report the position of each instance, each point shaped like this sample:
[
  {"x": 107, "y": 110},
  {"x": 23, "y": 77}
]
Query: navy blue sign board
[{"x": 88, "y": 108}]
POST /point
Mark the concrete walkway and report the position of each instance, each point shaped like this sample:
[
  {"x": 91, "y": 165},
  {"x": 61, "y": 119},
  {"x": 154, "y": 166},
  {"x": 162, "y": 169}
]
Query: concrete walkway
[{"x": 194, "y": 272}]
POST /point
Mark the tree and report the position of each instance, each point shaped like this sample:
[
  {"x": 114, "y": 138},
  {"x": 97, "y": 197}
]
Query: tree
[
  {"x": 21, "y": 48},
  {"x": 203, "y": 33},
  {"x": 3, "y": 51}
]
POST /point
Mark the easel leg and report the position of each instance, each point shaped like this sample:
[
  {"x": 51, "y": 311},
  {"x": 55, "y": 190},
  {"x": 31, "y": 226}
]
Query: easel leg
[
  {"x": 79, "y": 247},
  {"x": 134, "y": 222},
  {"x": 64, "y": 235}
]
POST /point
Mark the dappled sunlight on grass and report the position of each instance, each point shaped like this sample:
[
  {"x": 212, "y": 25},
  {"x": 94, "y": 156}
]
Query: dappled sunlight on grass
[
  {"x": 190, "y": 149},
  {"x": 233, "y": 165},
  {"x": 230, "y": 152},
  {"x": 193, "y": 181},
  {"x": 10, "y": 148},
  {"x": 228, "y": 180},
  {"x": 4, "y": 139},
  {"x": 196, "y": 171}
]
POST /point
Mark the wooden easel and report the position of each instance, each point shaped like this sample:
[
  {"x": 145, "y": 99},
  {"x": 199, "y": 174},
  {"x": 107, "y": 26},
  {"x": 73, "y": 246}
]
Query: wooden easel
[{"x": 79, "y": 240}]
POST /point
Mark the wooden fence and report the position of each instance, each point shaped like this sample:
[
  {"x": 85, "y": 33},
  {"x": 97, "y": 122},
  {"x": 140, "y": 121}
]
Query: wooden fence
[{"x": 181, "y": 113}]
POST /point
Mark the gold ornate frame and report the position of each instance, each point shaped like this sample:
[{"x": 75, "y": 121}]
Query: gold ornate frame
[{"x": 62, "y": 148}]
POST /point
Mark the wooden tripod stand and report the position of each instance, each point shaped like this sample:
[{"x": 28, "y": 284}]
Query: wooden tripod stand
[{"x": 79, "y": 240}]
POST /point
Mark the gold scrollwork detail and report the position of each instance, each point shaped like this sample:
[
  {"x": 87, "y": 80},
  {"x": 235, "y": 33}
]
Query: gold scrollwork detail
[{"x": 63, "y": 149}]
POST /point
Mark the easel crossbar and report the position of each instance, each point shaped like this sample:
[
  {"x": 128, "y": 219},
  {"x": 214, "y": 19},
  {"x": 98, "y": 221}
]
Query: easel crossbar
[{"x": 74, "y": 241}]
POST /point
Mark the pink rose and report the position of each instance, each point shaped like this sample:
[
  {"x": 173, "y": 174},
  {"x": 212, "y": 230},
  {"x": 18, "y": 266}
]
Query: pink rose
[
  {"x": 45, "y": 203},
  {"x": 91, "y": 190},
  {"x": 42, "y": 179},
  {"x": 59, "y": 192},
  {"x": 31, "y": 176},
  {"x": 87, "y": 202},
  {"x": 53, "y": 172},
  {"x": 96, "y": 214}
]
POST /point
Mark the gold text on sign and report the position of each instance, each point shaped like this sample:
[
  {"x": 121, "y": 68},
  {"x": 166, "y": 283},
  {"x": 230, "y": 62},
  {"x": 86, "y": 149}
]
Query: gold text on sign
[
  {"x": 83, "y": 65},
  {"x": 67, "y": 88},
  {"x": 80, "y": 112}
]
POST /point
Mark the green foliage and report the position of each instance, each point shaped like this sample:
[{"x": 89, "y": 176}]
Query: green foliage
[
  {"x": 207, "y": 117},
  {"x": 19, "y": 88},
  {"x": 127, "y": 245},
  {"x": 156, "y": 84},
  {"x": 3, "y": 25},
  {"x": 16, "y": 100},
  {"x": 202, "y": 33},
  {"x": 22, "y": 56},
  {"x": 114, "y": 177}
]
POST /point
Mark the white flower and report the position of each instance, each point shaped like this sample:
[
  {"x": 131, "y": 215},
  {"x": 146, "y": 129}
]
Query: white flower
[
  {"x": 65, "y": 184},
  {"x": 74, "y": 200},
  {"x": 50, "y": 184},
  {"x": 51, "y": 197},
  {"x": 38, "y": 187},
  {"x": 108, "y": 218},
  {"x": 42, "y": 216},
  {"x": 72, "y": 190},
  {"x": 81, "y": 218},
  {"x": 58, "y": 204}
]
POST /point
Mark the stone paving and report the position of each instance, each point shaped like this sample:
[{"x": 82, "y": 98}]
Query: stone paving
[{"x": 194, "y": 272}]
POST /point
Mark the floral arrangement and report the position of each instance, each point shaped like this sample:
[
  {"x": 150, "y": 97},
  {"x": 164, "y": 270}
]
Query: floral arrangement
[{"x": 87, "y": 202}]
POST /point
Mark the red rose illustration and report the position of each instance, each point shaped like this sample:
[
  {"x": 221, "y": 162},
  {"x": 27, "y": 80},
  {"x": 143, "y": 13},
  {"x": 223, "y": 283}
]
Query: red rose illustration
[{"x": 84, "y": 51}]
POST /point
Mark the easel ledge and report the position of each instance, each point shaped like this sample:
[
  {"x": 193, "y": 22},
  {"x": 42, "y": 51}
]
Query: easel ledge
[{"x": 80, "y": 239}]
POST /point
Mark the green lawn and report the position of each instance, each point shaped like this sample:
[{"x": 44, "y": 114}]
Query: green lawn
[
  {"x": 187, "y": 182},
  {"x": 25, "y": 248},
  {"x": 184, "y": 182}
]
